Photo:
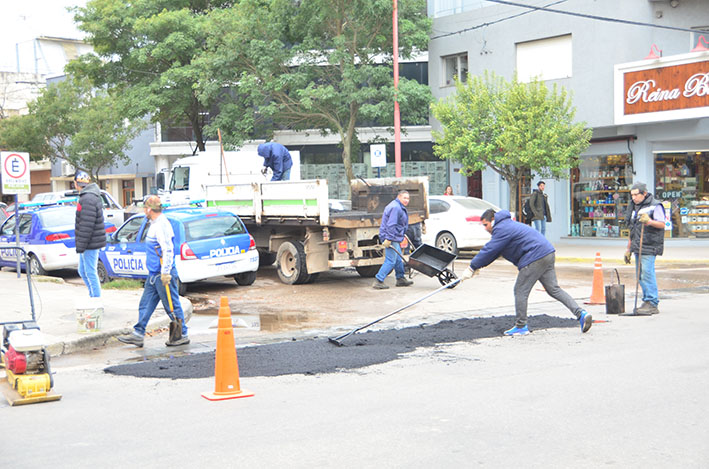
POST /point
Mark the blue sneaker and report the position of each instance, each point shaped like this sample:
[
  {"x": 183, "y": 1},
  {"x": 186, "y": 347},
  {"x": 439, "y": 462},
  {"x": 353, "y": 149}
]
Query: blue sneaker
[
  {"x": 517, "y": 331},
  {"x": 586, "y": 321}
]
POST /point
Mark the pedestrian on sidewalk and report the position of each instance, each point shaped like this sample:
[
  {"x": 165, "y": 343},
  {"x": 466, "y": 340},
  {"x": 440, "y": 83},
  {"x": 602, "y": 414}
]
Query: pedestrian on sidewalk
[
  {"x": 162, "y": 274},
  {"x": 534, "y": 257},
  {"x": 541, "y": 213},
  {"x": 645, "y": 210},
  {"x": 395, "y": 220},
  {"x": 277, "y": 157},
  {"x": 89, "y": 231}
]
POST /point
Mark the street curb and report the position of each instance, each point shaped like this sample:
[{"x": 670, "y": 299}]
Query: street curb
[{"x": 91, "y": 340}]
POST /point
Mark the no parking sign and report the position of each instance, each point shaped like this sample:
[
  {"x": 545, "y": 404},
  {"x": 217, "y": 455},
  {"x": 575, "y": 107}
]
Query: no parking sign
[{"x": 15, "y": 168}]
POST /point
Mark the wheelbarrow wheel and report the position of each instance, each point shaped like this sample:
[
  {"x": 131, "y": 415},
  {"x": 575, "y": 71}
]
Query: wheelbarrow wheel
[{"x": 445, "y": 277}]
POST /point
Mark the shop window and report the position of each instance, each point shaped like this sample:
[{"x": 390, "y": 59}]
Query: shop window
[
  {"x": 600, "y": 192},
  {"x": 682, "y": 183},
  {"x": 455, "y": 66}
]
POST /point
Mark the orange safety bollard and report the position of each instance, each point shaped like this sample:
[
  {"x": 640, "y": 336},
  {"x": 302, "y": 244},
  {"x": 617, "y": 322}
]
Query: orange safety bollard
[
  {"x": 226, "y": 365},
  {"x": 598, "y": 296}
]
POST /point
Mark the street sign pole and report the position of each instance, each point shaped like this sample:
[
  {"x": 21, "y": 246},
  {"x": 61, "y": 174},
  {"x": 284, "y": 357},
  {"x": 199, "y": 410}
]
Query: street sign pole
[{"x": 17, "y": 235}]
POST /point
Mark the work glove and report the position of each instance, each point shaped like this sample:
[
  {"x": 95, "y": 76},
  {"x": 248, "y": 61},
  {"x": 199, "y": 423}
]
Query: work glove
[
  {"x": 165, "y": 279},
  {"x": 626, "y": 257},
  {"x": 644, "y": 218},
  {"x": 469, "y": 273},
  {"x": 264, "y": 171},
  {"x": 386, "y": 243}
]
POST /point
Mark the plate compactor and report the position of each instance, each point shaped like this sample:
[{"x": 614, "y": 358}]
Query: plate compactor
[{"x": 26, "y": 361}]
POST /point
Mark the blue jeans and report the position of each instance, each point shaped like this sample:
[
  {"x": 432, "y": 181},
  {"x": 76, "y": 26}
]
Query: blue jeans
[
  {"x": 541, "y": 225},
  {"x": 153, "y": 293},
  {"x": 88, "y": 262},
  {"x": 392, "y": 261},
  {"x": 647, "y": 278}
]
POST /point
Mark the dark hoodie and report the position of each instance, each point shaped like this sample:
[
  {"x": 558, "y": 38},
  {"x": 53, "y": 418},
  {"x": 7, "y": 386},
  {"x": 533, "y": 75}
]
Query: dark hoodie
[{"x": 89, "y": 229}]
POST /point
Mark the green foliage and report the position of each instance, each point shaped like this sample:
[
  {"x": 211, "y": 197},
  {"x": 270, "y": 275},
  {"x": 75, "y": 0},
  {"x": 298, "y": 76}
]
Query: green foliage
[
  {"x": 316, "y": 64},
  {"x": 144, "y": 52},
  {"x": 511, "y": 127},
  {"x": 70, "y": 121},
  {"x": 123, "y": 284}
]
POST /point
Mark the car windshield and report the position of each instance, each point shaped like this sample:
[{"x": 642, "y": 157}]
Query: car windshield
[
  {"x": 213, "y": 227},
  {"x": 55, "y": 218},
  {"x": 475, "y": 204}
]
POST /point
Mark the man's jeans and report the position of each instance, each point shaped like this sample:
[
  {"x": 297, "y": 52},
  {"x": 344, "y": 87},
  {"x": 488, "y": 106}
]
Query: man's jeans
[
  {"x": 647, "y": 278},
  {"x": 544, "y": 271},
  {"x": 88, "y": 262},
  {"x": 541, "y": 225},
  {"x": 392, "y": 261},
  {"x": 153, "y": 293},
  {"x": 286, "y": 175}
]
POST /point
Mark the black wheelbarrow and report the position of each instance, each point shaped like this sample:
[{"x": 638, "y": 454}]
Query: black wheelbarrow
[{"x": 433, "y": 262}]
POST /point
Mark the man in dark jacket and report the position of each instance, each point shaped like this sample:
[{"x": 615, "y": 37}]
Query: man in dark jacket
[
  {"x": 276, "y": 157},
  {"x": 89, "y": 231},
  {"x": 646, "y": 219},
  {"x": 534, "y": 257},
  {"x": 395, "y": 220},
  {"x": 541, "y": 213}
]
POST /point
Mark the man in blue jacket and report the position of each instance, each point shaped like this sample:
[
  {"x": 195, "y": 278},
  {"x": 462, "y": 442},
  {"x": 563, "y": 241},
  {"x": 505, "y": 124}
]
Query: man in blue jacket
[
  {"x": 534, "y": 257},
  {"x": 276, "y": 157},
  {"x": 395, "y": 220}
]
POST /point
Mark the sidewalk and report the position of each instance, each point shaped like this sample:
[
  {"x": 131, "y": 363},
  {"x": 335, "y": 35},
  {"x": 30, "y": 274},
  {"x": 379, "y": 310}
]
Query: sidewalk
[
  {"x": 612, "y": 251},
  {"x": 55, "y": 311}
]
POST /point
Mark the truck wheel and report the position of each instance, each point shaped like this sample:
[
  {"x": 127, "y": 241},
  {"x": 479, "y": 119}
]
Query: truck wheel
[
  {"x": 367, "y": 271},
  {"x": 446, "y": 241},
  {"x": 290, "y": 263},
  {"x": 245, "y": 278},
  {"x": 102, "y": 273},
  {"x": 266, "y": 258},
  {"x": 36, "y": 266}
]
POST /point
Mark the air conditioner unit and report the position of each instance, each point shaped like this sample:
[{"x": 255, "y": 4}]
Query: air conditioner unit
[{"x": 67, "y": 169}]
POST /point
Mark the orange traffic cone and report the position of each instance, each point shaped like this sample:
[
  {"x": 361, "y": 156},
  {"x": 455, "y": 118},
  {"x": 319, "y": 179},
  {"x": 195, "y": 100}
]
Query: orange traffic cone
[
  {"x": 226, "y": 365},
  {"x": 598, "y": 296}
]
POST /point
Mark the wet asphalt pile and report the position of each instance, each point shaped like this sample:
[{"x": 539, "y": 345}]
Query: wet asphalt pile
[{"x": 315, "y": 356}]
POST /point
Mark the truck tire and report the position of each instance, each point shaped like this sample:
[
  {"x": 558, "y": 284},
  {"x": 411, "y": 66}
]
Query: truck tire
[
  {"x": 368, "y": 271},
  {"x": 290, "y": 263},
  {"x": 245, "y": 278},
  {"x": 266, "y": 258}
]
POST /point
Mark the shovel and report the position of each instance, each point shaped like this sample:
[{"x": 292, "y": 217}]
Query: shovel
[
  {"x": 175, "y": 324},
  {"x": 338, "y": 340}
]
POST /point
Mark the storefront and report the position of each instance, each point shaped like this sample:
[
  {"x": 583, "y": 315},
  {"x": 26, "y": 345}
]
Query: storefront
[{"x": 662, "y": 117}]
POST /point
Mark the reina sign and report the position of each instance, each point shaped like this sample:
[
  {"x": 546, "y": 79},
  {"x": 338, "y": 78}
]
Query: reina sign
[{"x": 674, "y": 88}]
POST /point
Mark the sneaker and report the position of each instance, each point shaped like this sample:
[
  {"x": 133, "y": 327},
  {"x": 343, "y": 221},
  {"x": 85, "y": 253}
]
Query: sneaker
[
  {"x": 402, "y": 282},
  {"x": 379, "y": 285},
  {"x": 645, "y": 309},
  {"x": 131, "y": 339},
  {"x": 586, "y": 321},
  {"x": 654, "y": 310},
  {"x": 517, "y": 331},
  {"x": 184, "y": 340}
]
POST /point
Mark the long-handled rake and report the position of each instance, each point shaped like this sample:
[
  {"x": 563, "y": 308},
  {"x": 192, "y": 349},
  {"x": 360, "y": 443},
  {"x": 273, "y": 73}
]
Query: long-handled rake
[{"x": 338, "y": 340}]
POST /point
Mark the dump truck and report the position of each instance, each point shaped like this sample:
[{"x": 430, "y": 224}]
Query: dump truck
[{"x": 297, "y": 226}]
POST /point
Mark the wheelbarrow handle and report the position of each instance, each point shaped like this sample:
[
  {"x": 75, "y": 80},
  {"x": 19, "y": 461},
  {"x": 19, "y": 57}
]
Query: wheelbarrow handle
[{"x": 397, "y": 253}]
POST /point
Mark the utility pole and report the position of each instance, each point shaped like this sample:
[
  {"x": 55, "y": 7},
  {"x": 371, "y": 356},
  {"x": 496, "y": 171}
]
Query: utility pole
[{"x": 397, "y": 119}]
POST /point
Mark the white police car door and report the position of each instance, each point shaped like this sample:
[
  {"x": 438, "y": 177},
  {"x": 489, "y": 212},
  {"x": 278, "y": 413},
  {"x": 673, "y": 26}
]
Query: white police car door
[{"x": 126, "y": 254}]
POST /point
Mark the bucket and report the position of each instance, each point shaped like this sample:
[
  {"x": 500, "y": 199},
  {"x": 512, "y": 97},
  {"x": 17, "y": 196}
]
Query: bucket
[
  {"x": 88, "y": 315},
  {"x": 615, "y": 297}
]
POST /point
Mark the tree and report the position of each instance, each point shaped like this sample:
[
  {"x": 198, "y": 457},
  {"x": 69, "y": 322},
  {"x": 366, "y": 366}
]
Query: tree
[
  {"x": 511, "y": 127},
  {"x": 72, "y": 122},
  {"x": 315, "y": 64},
  {"x": 144, "y": 52}
]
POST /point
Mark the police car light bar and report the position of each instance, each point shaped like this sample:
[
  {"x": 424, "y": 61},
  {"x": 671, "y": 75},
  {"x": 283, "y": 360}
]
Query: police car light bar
[
  {"x": 48, "y": 204},
  {"x": 197, "y": 202}
]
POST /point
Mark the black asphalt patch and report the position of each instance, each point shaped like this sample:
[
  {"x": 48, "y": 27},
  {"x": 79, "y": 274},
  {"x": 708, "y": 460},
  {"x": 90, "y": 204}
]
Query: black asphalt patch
[{"x": 314, "y": 356}]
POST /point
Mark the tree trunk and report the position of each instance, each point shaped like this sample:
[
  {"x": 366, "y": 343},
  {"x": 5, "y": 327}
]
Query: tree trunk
[{"x": 347, "y": 156}]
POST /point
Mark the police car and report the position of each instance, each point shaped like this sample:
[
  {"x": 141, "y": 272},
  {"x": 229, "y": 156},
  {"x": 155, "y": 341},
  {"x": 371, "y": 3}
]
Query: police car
[
  {"x": 46, "y": 234},
  {"x": 208, "y": 243}
]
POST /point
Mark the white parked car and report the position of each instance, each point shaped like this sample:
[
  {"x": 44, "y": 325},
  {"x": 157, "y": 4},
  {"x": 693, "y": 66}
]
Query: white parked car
[{"x": 454, "y": 222}]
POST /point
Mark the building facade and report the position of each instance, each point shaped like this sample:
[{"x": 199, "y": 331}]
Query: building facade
[{"x": 639, "y": 84}]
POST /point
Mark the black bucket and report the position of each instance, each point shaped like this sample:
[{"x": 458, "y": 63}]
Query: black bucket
[{"x": 615, "y": 297}]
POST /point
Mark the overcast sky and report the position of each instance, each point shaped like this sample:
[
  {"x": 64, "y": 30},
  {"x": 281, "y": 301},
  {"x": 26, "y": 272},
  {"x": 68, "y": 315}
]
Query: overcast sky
[{"x": 24, "y": 20}]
